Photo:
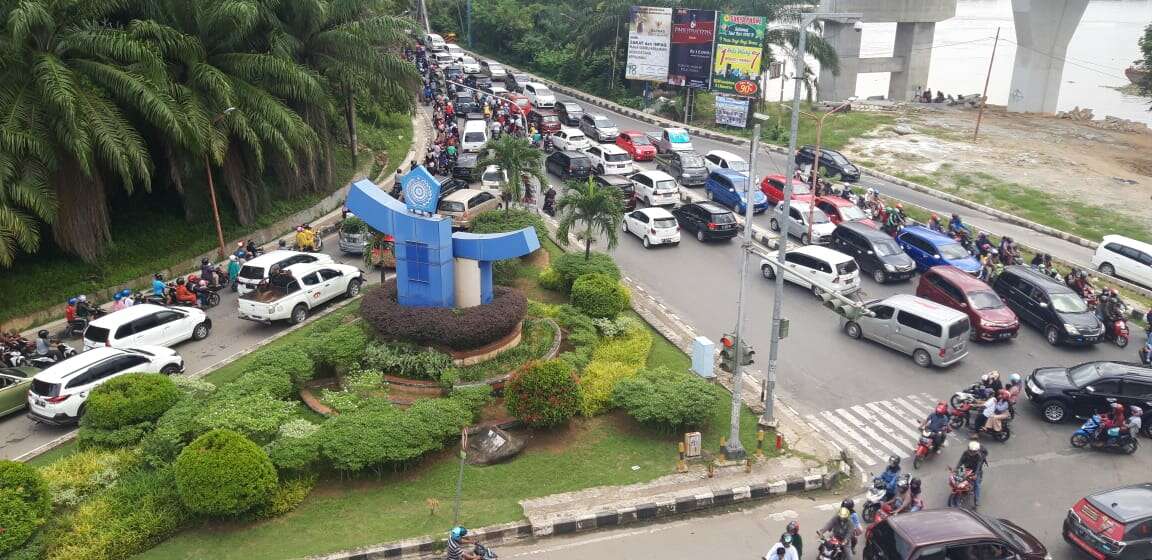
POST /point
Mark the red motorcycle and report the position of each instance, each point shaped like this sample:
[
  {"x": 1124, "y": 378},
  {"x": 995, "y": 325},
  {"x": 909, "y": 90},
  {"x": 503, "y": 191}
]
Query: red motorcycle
[
  {"x": 924, "y": 446},
  {"x": 961, "y": 412},
  {"x": 962, "y": 482}
]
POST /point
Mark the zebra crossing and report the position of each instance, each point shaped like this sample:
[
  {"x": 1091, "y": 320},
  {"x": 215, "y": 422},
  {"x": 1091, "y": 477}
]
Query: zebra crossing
[{"x": 871, "y": 432}]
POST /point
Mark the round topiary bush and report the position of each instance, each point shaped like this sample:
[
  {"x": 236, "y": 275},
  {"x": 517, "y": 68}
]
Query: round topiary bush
[
  {"x": 24, "y": 504},
  {"x": 571, "y": 266},
  {"x": 458, "y": 329},
  {"x": 129, "y": 399},
  {"x": 223, "y": 473},
  {"x": 599, "y": 295},
  {"x": 543, "y": 395}
]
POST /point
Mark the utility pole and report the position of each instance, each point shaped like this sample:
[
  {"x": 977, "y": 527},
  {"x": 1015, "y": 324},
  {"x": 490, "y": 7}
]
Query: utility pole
[
  {"x": 615, "y": 51},
  {"x": 469, "y": 24},
  {"x": 769, "y": 389},
  {"x": 424, "y": 15},
  {"x": 988, "y": 78},
  {"x": 733, "y": 449}
]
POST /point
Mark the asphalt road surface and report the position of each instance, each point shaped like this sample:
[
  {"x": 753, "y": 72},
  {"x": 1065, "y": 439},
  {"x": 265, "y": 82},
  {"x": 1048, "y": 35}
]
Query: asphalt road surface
[{"x": 230, "y": 336}]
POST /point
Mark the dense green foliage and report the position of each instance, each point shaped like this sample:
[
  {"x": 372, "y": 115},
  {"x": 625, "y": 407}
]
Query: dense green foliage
[
  {"x": 24, "y": 503},
  {"x": 571, "y": 266},
  {"x": 406, "y": 360},
  {"x": 222, "y": 473},
  {"x": 1146, "y": 51},
  {"x": 458, "y": 329},
  {"x": 129, "y": 399},
  {"x": 340, "y": 348},
  {"x": 613, "y": 360},
  {"x": 665, "y": 398},
  {"x": 599, "y": 296},
  {"x": 292, "y": 360},
  {"x": 596, "y": 211},
  {"x": 543, "y": 395},
  {"x": 73, "y": 479}
]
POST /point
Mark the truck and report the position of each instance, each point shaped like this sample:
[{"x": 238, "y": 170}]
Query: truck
[
  {"x": 671, "y": 140},
  {"x": 686, "y": 167},
  {"x": 292, "y": 292}
]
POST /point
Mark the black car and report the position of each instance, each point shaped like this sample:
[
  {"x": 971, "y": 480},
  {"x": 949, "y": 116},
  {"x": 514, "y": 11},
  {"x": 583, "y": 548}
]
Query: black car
[
  {"x": 464, "y": 103},
  {"x": 1054, "y": 308},
  {"x": 451, "y": 185},
  {"x": 707, "y": 220},
  {"x": 832, "y": 163},
  {"x": 453, "y": 73},
  {"x": 568, "y": 165},
  {"x": 875, "y": 252},
  {"x": 624, "y": 184},
  {"x": 569, "y": 112},
  {"x": 1115, "y": 524},
  {"x": 465, "y": 167},
  {"x": 478, "y": 82},
  {"x": 1089, "y": 388}
]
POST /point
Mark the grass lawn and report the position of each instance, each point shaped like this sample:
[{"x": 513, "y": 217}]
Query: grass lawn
[
  {"x": 49, "y": 278},
  {"x": 839, "y": 129},
  {"x": 64, "y": 450}
]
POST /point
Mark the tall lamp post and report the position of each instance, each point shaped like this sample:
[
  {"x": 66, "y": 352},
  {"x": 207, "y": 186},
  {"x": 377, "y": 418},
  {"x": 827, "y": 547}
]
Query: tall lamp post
[
  {"x": 769, "y": 416},
  {"x": 212, "y": 188},
  {"x": 815, "y": 173}
]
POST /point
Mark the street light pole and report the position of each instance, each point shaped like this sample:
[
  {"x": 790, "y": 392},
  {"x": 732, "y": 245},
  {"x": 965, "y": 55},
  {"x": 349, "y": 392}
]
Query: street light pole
[
  {"x": 212, "y": 189},
  {"x": 733, "y": 448},
  {"x": 816, "y": 162},
  {"x": 769, "y": 416}
]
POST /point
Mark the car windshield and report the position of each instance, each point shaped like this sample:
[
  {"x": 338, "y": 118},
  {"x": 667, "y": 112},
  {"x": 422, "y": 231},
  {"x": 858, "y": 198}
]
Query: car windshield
[
  {"x": 576, "y": 138},
  {"x": 953, "y": 251},
  {"x": 1068, "y": 303},
  {"x": 252, "y": 272},
  {"x": 800, "y": 187},
  {"x": 887, "y": 249},
  {"x": 678, "y": 137},
  {"x": 664, "y": 222},
  {"x": 474, "y": 137},
  {"x": 665, "y": 186},
  {"x": 985, "y": 300},
  {"x": 1084, "y": 374},
  {"x": 96, "y": 334},
  {"x": 1006, "y": 533},
  {"x": 467, "y": 60},
  {"x": 550, "y": 119},
  {"x": 852, "y": 213},
  {"x": 522, "y": 102},
  {"x": 726, "y": 218},
  {"x": 739, "y": 166},
  {"x": 616, "y": 157},
  {"x": 493, "y": 176},
  {"x": 819, "y": 217},
  {"x": 639, "y": 140},
  {"x": 691, "y": 160},
  {"x": 45, "y": 389},
  {"x": 451, "y": 206},
  {"x": 838, "y": 158},
  {"x": 543, "y": 91}
]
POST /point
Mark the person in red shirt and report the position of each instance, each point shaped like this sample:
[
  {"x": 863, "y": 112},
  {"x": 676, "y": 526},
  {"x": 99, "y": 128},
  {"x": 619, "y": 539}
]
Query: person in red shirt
[
  {"x": 183, "y": 294},
  {"x": 70, "y": 311}
]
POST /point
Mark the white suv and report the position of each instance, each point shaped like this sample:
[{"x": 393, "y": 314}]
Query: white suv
[
  {"x": 654, "y": 226},
  {"x": 610, "y": 159},
  {"x": 570, "y": 139},
  {"x": 539, "y": 95},
  {"x": 58, "y": 394},
  {"x": 147, "y": 324},
  {"x": 260, "y": 268}
]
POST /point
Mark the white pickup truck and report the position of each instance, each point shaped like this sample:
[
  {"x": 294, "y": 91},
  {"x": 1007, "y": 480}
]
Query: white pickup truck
[{"x": 294, "y": 291}]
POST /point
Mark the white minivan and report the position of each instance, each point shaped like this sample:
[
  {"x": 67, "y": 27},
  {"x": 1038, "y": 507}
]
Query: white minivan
[
  {"x": 435, "y": 43},
  {"x": 934, "y": 335},
  {"x": 1125, "y": 258},
  {"x": 260, "y": 268},
  {"x": 816, "y": 268},
  {"x": 474, "y": 136},
  {"x": 147, "y": 324},
  {"x": 539, "y": 95},
  {"x": 656, "y": 188}
]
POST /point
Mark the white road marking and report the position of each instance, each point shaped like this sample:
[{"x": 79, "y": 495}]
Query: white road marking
[
  {"x": 603, "y": 538},
  {"x": 868, "y": 431},
  {"x": 841, "y": 441}
]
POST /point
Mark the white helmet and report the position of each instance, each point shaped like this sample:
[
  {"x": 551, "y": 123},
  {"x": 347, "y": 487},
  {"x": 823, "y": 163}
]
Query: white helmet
[
  {"x": 870, "y": 191},
  {"x": 973, "y": 446},
  {"x": 1136, "y": 411},
  {"x": 82, "y": 298}
]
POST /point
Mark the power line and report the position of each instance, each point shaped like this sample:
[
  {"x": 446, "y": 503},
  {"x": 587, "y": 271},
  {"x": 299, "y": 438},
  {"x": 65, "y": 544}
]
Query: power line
[
  {"x": 886, "y": 53},
  {"x": 1065, "y": 60}
]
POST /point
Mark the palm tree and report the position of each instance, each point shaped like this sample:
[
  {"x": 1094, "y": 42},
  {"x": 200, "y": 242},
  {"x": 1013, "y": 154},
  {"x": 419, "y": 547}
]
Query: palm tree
[
  {"x": 518, "y": 159},
  {"x": 25, "y": 201},
  {"x": 600, "y": 209}
]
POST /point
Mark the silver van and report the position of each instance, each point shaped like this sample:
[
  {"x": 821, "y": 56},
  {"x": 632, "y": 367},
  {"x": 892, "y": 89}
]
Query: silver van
[{"x": 931, "y": 333}]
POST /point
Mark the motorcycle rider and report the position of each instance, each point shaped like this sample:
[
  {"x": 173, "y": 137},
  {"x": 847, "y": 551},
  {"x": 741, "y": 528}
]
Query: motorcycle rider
[
  {"x": 182, "y": 294},
  {"x": 857, "y": 523},
  {"x": 70, "y": 311},
  {"x": 1109, "y": 308},
  {"x": 1114, "y": 419},
  {"x": 934, "y": 223},
  {"x": 937, "y": 423},
  {"x": 956, "y": 225},
  {"x": 991, "y": 380},
  {"x": 550, "y": 201},
  {"x": 233, "y": 271},
  {"x": 1135, "y": 422},
  {"x": 207, "y": 271},
  {"x": 915, "y": 501},
  {"x": 995, "y": 412},
  {"x": 891, "y": 474},
  {"x": 158, "y": 285},
  {"x": 783, "y": 550},
  {"x": 974, "y": 460},
  {"x": 84, "y": 309},
  {"x": 840, "y": 527},
  {"x": 793, "y": 530},
  {"x": 44, "y": 346},
  {"x": 453, "y": 551},
  {"x": 983, "y": 244}
]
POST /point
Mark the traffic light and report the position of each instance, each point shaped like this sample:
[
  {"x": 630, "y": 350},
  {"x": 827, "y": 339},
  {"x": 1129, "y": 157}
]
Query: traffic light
[
  {"x": 843, "y": 306},
  {"x": 746, "y": 354},
  {"x": 728, "y": 345},
  {"x": 783, "y": 330}
]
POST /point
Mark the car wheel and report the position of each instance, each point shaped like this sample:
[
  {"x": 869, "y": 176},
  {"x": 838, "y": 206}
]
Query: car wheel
[
  {"x": 922, "y": 358},
  {"x": 774, "y": 224},
  {"x": 880, "y": 276},
  {"x": 624, "y": 227},
  {"x": 1107, "y": 269},
  {"x": 1053, "y": 411},
  {"x": 768, "y": 272},
  {"x": 816, "y": 291},
  {"x": 201, "y": 331},
  {"x": 353, "y": 289},
  {"x": 170, "y": 369},
  {"x": 647, "y": 201},
  {"x": 804, "y": 239},
  {"x": 1052, "y": 335},
  {"x": 700, "y": 236},
  {"x": 852, "y": 329},
  {"x": 647, "y": 244},
  {"x": 299, "y": 314}
]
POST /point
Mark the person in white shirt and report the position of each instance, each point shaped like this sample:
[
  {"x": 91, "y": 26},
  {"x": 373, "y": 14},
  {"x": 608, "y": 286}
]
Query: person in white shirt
[{"x": 783, "y": 550}]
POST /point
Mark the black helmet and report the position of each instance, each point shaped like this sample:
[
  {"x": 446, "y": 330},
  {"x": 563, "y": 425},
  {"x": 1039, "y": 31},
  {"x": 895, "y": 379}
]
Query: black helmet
[
  {"x": 893, "y": 462},
  {"x": 42, "y": 334},
  {"x": 158, "y": 276},
  {"x": 179, "y": 281},
  {"x": 848, "y": 503},
  {"x": 203, "y": 261},
  {"x": 915, "y": 486}
]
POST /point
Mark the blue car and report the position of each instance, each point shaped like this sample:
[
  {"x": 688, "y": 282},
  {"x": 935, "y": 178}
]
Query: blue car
[
  {"x": 930, "y": 249},
  {"x": 728, "y": 187}
]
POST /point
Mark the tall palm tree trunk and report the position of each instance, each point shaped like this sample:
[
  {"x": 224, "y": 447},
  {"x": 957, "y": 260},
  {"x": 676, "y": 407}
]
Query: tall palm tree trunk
[
  {"x": 588, "y": 243},
  {"x": 350, "y": 116},
  {"x": 82, "y": 221}
]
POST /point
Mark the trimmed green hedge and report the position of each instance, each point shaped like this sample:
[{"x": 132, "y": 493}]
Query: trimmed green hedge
[
  {"x": 599, "y": 295},
  {"x": 545, "y": 394},
  {"x": 24, "y": 503},
  {"x": 222, "y": 474},
  {"x": 665, "y": 398},
  {"x": 571, "y": 266}
]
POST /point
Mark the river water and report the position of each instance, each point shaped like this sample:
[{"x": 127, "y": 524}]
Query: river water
[{"x": 1105, "y": 44}]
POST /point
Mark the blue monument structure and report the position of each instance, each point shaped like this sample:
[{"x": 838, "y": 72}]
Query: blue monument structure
[{"x": 435, "y": 267}]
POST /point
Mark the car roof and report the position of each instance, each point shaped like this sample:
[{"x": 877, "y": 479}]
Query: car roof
[
  {"x": 725, "y": 155},
  {"x": 304, "y": 268},
  {"x": 712, "y": 207},
  {"x": 270, "y": 258},
  {"x": 938, "y": 526},
  {"x": 26, "y": 372},
  {"x": 656, "y": 212},
  {"x": 615, "y": 180},
  {"x": 1127, "y": 241},
  {"x": 1127, "y": 503},
  {"x": 573, "y": 154},
  {"x": 835, "y": 201},
  {"x": 536, "y": 85},
  {"x": 801, "y": 205},
  {"x": 930, "y": 309},
  {"x": 822, "y": 253},
  {"x": 63, "y": 370},
  {"x": 730, "y": 174},
  {"x": 571, "y": 130},
  {"x": 633, "y": 133},
  {"x": 675, "y": 129},
  {"x": 869, "y": 233},
  {"x": 461, "y": 195},
  {"x": 656, "y": 175},
  {"x": 1044, "y": 281},
  {"x": 822, "y": 149},
  {"x": 610, "y": 148},
  {"x": 929, "y": 235},
  {"x": 781, "y": 179},
  {"x": 117, "y": 318},
  {"x": 966, "y": 282},
  {"x": 475, "y": 125}
]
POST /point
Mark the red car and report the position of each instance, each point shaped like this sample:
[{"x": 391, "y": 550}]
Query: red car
[
  {"x": 841, "y": 210},
  {"x": 1112, "y": 525},
  {"x": 773, "y": 187},
  {"x": 637, "y": 145},
  {"x": 520, "y": 102},
  {"x": 990, "y": 318}
]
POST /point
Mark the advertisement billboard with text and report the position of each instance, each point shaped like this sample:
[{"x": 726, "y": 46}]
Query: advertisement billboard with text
[
  {"x": 649, "y": 42},
  {"x": 693, "y": 33},
  {"x": 739, "y": 52}
]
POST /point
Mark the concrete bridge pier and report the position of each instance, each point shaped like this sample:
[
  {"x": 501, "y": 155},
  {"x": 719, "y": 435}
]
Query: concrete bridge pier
[{"x": 1043, "y": 30}]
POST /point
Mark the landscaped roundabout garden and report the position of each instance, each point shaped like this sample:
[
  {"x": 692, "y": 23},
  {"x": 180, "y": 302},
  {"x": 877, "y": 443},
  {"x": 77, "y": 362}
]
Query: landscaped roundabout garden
[{"x": 345, "y": 432}]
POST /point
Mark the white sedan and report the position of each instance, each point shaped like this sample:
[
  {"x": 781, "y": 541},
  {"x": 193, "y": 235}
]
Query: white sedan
[
  {"x": 654, "y": 226},
  {"x": 469, "y": 65},
  {"x": 570, "y": 139}
]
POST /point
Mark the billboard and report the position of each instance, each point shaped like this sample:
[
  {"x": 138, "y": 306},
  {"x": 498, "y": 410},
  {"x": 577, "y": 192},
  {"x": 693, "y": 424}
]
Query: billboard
[
  {"x": 739, "y": 52},
  {"x": 732, "y": 111},
  {"x": 690, "y": 62},
  {"x": 649, "y": 40}
]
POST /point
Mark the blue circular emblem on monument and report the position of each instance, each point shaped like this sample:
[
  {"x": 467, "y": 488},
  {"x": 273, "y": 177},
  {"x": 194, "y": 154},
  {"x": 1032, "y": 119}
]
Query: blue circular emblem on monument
[{"x": 419, "y": 192}]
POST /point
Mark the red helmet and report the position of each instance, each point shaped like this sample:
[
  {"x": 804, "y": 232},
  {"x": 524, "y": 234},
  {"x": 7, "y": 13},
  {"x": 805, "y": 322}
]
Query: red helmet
[
  {"x": 941, "y": 408},
  {"x": 1003, "y": 395},
  {"x": 1117, "y": 408},
  {"x": 192, "y": 278},
  {"x": 886, "y": 507}
]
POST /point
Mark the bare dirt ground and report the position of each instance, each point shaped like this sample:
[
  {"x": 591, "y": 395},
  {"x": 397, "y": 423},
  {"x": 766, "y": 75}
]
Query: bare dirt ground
[{"x": 1074, "y": 160}]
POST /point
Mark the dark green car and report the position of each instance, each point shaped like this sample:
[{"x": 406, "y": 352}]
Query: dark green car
[{"x": 14, "y": 384}]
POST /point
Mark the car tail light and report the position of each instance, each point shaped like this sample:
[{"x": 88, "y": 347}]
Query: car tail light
[
  {"x": 836, "y": 280},
  {"x": 711, "y": 225},
  {"x": 652, "y": 231},
  {"x": 57, "y": 400},
  {"x": 942, "y": 352}
]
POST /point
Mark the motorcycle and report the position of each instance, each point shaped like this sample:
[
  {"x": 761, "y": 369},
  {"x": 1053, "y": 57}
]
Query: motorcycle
[
  {"x": 962, "y": 483},
  {"x": 483, "y": 552},
  {"x": 877, "y": 495},
  {"x": 64, "y": 352},
  {"x": 924, "y": 447},
  {"x": 1117, "y": 332},
  {"x": 1000, "y": 435},
  {"x": 832, "y": 548},
  {"x": 1089, "y": 436},
  {"x": 961, "y": 415},
  {"x": 974, "y": 393}
]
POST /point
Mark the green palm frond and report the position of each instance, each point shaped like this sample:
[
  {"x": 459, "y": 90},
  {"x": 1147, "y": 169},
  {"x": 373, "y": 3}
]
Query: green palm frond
[{"x": 599, "y": 209}]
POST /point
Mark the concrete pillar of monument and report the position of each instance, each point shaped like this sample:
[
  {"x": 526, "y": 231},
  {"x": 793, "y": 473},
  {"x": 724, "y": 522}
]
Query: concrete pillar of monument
[
  {"x": 1043, "y": 30},
  {"x": 914, "y": 46},
  {"x": 467, "y": 283},
  {"x": 845, "y": 39}
]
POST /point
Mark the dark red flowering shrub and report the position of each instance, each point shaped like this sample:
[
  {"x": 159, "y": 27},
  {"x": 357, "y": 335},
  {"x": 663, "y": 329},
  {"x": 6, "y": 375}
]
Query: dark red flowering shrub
[
  {"x": 458, "y": 329},
  {"x": 543, "y": 395}
]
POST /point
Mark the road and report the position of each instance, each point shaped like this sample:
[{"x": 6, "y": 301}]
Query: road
[
  {"x": 864, "y": 397},
  {"x": 230, "y": 336}
]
